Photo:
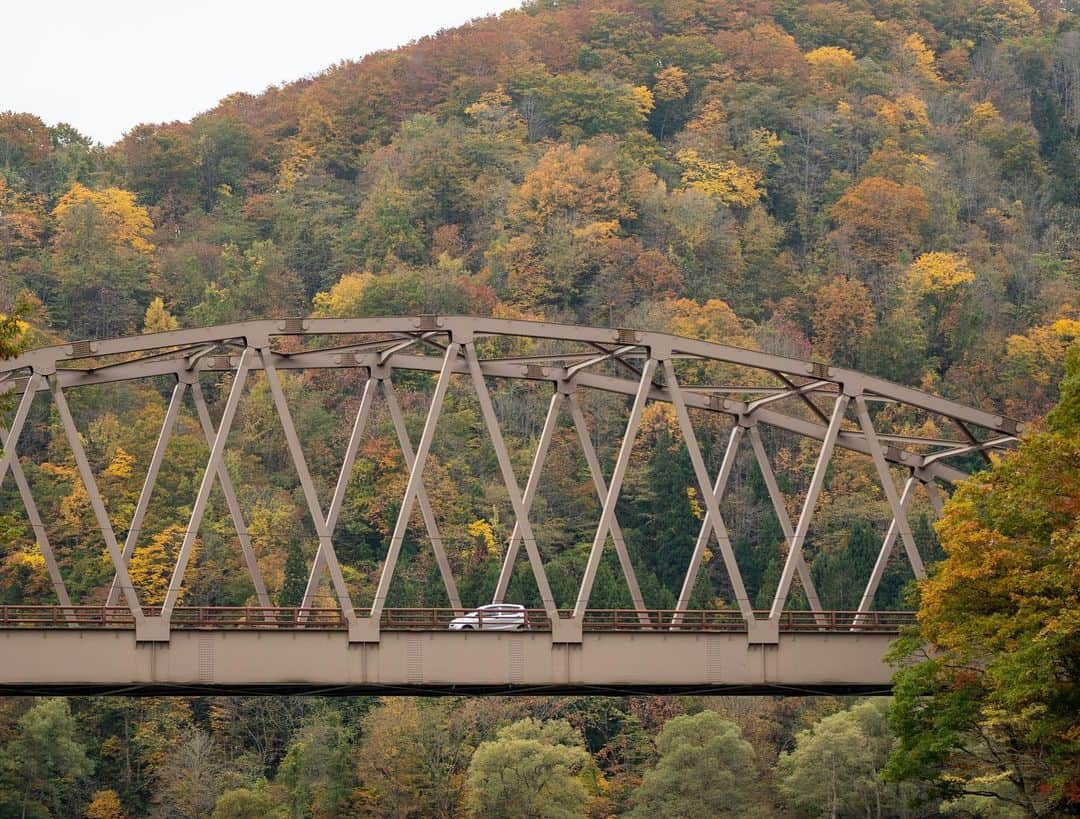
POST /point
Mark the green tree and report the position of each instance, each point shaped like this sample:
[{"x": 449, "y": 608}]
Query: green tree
[
  {"x": 529, "y": 771},
  {"x": 222, "y": 148},
  {"x": 254, "y": 283},
  {"x": 705, "y": 769},
  {"x": 295, "y": 582},
  {"x": 44, "y": 763},
  {"x": 317, "y": 770},
  {"x": 834, "y": 769},
  {"x": 987, "y": 695}
]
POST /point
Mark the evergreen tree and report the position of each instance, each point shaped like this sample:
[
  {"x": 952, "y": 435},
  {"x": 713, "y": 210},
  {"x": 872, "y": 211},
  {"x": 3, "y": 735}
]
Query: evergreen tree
[{"x": 295, "y": 583}]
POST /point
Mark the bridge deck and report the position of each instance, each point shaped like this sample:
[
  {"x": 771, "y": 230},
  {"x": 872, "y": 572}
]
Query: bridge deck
[{"x": 261, "y": 655}]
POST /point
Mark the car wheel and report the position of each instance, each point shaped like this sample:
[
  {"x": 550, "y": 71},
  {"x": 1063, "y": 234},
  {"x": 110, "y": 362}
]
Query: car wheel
[{"x": 466, "y": 628}]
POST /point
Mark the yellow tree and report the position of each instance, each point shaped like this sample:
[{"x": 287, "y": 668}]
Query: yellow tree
[
  {"x": 151, "y": 566},
  {"x": 344, "y": 297},
  {"x": 105, "y": 804},
  {"x": 158, "y": 319},
  {"x": 567, "y": 182},
  {"x": 725, "y": 181},
  {"x": 918, "y": 57},
  {"x": 937, "y": 274},
  {"x": 102, "y": 253},
  {"x": 832, "y": 64},
  {"x": 1035, "y": 360},
  {"x": 938, "y": 283}
]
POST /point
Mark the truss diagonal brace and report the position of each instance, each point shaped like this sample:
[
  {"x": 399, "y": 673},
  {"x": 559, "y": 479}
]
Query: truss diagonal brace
[
  {"x": 521, "y": 515},
  {"x": 531, "y": 485},
  {"x": 307, "y": 485},
  {"x": 713, "y": 519},
  {"x": 601, "y": 492},
  {"x": 369, "y": 632},
  {"x": 706, "y": 528},
  {"x": 319, "y": 563},
  {"x": 29, "y": 391},
  {"x": 899, "y": 514},
  {"x": 421, "y": 495},
  {"x": 817, "y": 482},
  {"x": 777, "y": 498},
  {"x": 882, "y": 561},
  {"x": 143, "y": 504},
  {"x": 40, "y": 535},
  {"x": 96, "y": 503},
  {"x": 934, "y": 494},
  {"x": 607, "y": 513},
  {"x": 235, "y": 512},
  {"x": 217, "y": 451}
]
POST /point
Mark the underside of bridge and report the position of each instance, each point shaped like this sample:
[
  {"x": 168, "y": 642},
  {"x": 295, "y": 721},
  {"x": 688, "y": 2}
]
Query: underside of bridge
[{"x": 830, "y": 408}]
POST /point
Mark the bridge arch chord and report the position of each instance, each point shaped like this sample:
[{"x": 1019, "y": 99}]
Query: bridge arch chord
[{"x": 838, "y": 408}]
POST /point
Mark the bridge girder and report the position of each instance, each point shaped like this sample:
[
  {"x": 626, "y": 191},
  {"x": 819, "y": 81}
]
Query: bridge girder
[{"x": 194, "y": 663}]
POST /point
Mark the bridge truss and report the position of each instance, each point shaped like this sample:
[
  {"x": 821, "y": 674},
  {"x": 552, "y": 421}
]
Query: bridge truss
[{"x": 809, "y": 399}]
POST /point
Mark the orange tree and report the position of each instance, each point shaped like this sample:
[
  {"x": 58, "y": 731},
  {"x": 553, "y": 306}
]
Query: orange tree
[{"x": 987, "y": 702}]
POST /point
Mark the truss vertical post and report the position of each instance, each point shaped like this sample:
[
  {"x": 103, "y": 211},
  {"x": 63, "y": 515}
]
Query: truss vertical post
[
  {"x": 213, "y": 464},
  {"x": 371, "y": 630},
  {"x": 521, "y": 514},
  {"x": 611, "y": 498},
  {"x": 601, "y": 492},
  {"x": 531, "y": 485},
  {"x": 777, "y": 498},
  {"x": 421, "y": 496},
  {"x": 817, "y": 482},
  {"x": 133, "y": 532},
  {"x": 899, "y": 515},
  {"x": 319, "y": 563},
  {"x": 235, "y": 512},
  {"x": 307, "y": 485},
  {"x": 713, "y": 519},
  {"x": 96, "y": 503},
  {"x": 882, "y": 561},
  {"x": 41, "y": 537}
]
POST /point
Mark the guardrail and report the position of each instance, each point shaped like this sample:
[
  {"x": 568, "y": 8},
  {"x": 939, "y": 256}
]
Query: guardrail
[{"x": 439, "y": 619}]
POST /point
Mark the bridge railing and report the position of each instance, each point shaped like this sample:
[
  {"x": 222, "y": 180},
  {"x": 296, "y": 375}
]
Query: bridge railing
[
  {"x": 663, "y": 619},
  {"x": 438, "y": 619}
]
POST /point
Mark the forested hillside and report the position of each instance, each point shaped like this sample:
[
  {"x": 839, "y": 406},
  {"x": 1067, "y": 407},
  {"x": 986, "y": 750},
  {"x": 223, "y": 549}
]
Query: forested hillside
[{"x": 891, "y": 185}]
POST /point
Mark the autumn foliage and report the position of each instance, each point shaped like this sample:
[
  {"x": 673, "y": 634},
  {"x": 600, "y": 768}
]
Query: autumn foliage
[{"x": 893, "y": 187}]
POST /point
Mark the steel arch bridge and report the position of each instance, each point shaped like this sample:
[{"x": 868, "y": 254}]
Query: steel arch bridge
[{"x": 123, "y": 645}]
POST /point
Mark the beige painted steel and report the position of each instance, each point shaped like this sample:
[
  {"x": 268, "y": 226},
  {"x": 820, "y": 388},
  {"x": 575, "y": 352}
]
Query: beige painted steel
[
  {"x": 439, "y": 660},
  {"x": 463, "y": 343}
]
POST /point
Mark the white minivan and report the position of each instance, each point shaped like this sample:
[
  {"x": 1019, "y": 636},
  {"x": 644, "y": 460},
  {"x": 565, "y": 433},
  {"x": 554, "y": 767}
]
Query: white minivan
[{"x": 492, "y": 617}]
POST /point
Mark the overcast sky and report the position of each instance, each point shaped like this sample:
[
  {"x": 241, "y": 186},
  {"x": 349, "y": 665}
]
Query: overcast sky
[{"x": 105, "y": 66}]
